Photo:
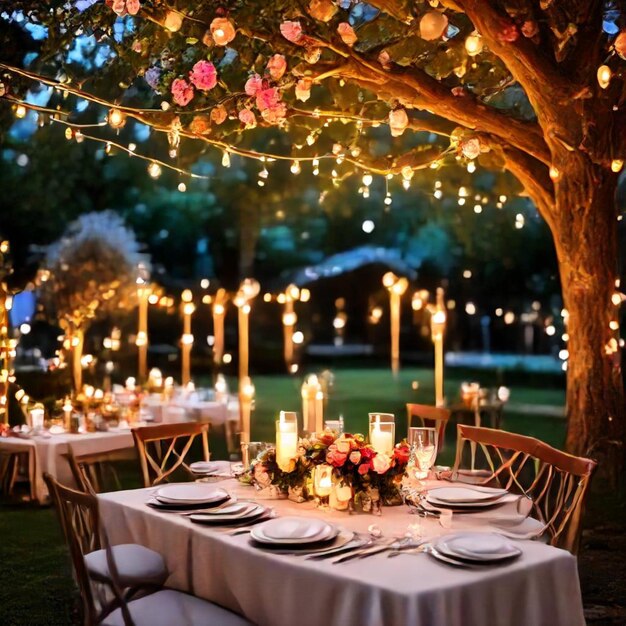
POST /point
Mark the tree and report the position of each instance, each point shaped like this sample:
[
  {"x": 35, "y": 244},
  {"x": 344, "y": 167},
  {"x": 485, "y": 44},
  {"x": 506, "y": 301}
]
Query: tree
[
  {"x": 93, "y": 270},
  {"x": 512, "y": 84}
]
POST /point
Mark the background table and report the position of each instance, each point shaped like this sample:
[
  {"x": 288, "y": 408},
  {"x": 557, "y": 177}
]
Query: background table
[{"x": 540, "y": 588}]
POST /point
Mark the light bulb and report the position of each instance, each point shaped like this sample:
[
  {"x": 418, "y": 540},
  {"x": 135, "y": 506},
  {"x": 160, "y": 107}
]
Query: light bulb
[
  {"x": 116, "y": 118},
  {"x": 154, "y": 169},
  {"x": 474, "y": 44},
  {"x": 367, "y": 179},
  {"x": 604, "y": 76}
]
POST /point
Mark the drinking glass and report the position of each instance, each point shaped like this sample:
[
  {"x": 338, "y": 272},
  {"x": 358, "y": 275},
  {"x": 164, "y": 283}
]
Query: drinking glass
[{"x": 423, "y": 442}]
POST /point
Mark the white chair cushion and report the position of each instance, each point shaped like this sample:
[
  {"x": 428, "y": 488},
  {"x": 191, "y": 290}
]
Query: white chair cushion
[
  {"x": 136, "y": 565},
  {"x": 174, "y": 608}
]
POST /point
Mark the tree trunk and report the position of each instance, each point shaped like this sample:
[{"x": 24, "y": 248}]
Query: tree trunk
[
  {"x": 78, "y": 339},
  {"x": 585, "y": 233}
]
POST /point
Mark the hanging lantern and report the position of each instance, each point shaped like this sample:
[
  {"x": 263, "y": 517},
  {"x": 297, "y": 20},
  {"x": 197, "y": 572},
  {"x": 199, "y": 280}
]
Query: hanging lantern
[
  {"x": 474, "y": 44},
  {"x": 433, "y": 25},
  {"x": 604, "y": 76}
]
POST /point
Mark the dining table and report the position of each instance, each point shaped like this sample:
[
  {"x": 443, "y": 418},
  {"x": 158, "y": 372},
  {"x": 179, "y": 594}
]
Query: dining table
[{"x": 539, "y": 588}]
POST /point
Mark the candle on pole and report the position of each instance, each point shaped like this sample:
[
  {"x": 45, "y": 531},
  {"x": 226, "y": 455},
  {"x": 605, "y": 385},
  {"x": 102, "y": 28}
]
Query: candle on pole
[
  {"x": 438, "y": 327},
  {"x": 248, "y": 290},
  {"x": 143, "y": 293},
  {"x": 291, "y": 295},
  {"x": 5, "y": 342},
  {"x": 187, "y": 339},
  {"x": 396, "y": 287},
  {"x": 246, "y": 398},
  {"x": 219, "y": 311}
]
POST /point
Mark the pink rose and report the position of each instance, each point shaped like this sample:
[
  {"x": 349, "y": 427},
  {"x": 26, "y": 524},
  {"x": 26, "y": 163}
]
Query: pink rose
[
  {"x": 267, "y": 98},
  {"x": 508, "y": 33},
  {"x": 530, "y": 28},
  {"x": 275, "y": 114},
  {"x": 253, "y": 85},
  {"x": 247, "y": 117},
  {"x": 182, "y": 91},
  {"x": 291, "y": 31},
  {"x": 133, "y": 6},
  {"x": 335, "y": 457},
  {"x": 355, "y": 457},
  {"x": 276, "y": 66},
  {"x": 381, "y": 463},
  {"x": 343, "y": 445},
  {"x": 347, "y": 34},
  {"x": 203, "y": 75},
  {"x": 218, "y": 114},
  {"x": 303, "y": 89},
  {"x": 322, "y": 10},
  {"x": 119, "y": 7},
  {"x": 398, "y": 121},
  {"x": 470, "y": 147},
  {"x": 222, "y": 31},
  {"x": 199, "y": 125},
  {"x": 384, "y": 59},
  {"x": 364, "y": 468}
]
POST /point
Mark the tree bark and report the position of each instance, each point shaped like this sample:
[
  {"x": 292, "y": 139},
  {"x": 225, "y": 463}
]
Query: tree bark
[{"x": 585, "y": 234}]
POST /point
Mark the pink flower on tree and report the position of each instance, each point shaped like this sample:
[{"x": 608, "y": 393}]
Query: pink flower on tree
[
  {"x": 124, "y": 7},
  {"x": 275, "y": 114},
  {"x": 508, "y": 33},
  {"x": 347, "y": 34},
  {"x": 398, "y": 121},
  {"x": 222, "y": 31},
  {"x": 253, "y": 85},
  {"x": 267, "y": 98},
  {"x": 246, "y": 116},
  {"x": 471, "y": 147},
  {"x": 303, "y": 89},
  {"x": 530, "y": 28},
  {"x": 203, "y": 75},
  {"x": 276, "y": 66},
  {"x": 182, "y": 91},
  {"x": 219, "y": 114},
  {"x": 291, "y": 31}
]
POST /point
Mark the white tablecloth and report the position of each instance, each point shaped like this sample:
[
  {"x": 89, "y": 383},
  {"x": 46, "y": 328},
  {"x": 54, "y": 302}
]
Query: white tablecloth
[
  {"x": 541, "y": 588},
  {"x": 46, "y": 454}
]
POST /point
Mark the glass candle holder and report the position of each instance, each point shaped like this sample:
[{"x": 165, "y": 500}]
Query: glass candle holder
[
  {"x": 334, "y": 425},
  {"x": 286, "y": 439},
  {"x": 423, "y": 442},
  {"x": 323, "y": 483},
  {"x": 37, "y": 418},
  {"x": 382, "y": 432}
]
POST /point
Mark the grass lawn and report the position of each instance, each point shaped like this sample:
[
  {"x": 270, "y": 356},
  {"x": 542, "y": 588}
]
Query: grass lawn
[{"x": 35, "y": 581}]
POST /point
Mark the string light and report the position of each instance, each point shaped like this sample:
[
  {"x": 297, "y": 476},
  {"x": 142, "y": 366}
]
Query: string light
[
  {"x": 604, "y": 76},
  {"x": 154, "y": 169},
  {"x": 20, "y": 111},
  {"x": 226, "y": 159},
  {"x": 554, "y": 173},
  {"x": 182, "y": 187},
  {"x": 367, "y": 179},
  {"x": 473, "y": 44},
  {"x": 616, "y": 165},
  {"x": 295, "y": 167},
  {"x": 116, "y": 119}
]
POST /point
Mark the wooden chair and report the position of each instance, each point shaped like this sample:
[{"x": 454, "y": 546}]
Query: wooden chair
[
  {"x": 96, "y": 472},
  {"x": 156, "y": 447},
  {"x": 556, "y": 481},
  {"x": 79, "y": 516},
  {"x": 430, "y": 417}
]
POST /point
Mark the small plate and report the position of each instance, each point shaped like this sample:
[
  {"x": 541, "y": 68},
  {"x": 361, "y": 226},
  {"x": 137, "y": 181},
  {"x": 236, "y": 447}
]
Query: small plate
[
  {"x": 327, "y": 533},
  {"x": 209, "y": 518},
  {"x": 189, "y": 493},
  {"x": 341, "y": 538},
  {"x": 477, "y": 547},
  {"x": 457, "y": 495},
  {"x": 290, "y": 528}
]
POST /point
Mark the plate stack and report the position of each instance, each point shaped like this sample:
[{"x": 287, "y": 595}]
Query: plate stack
[
  {"x": 475, "y": 548},
  {"x": 205, "y": 468},
  {"x": 299, "y": 533},
  {"x": 232, "y": 514},
  {"x": 468, "y": 498},
  {"x": 186, "y": 496}
]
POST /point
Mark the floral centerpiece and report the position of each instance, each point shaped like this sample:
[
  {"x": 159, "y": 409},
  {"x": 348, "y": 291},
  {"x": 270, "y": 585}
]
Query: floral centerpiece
[{"x": 373, "y": 478}]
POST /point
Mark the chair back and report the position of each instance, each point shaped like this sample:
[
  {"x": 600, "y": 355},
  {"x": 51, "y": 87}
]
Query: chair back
[
  {"x": 95, "y": 472},
  {"x": 78, "y": 515},
  {"x": 162, "y": 449},
  {"x": 429, "y": 417},
  {"x": 556, "y": 481}
]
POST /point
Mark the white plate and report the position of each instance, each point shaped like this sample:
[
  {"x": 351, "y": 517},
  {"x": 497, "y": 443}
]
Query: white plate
[
  {"x": 455, "y": 495},
  {"x": 294, "y": 528},
  {"x": 204, "y": 467},
  {"x": 327, "y": 533},
  {"x": 219, "y": 518},
  {"x": 478, "y": 546},
  {"x": 190, "y": 493},
  {"x": 469, "y": 505}
]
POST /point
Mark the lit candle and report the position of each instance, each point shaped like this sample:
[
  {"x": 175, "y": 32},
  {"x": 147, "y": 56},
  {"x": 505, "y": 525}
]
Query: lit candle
[
  {"x": 319, "y": 411},
  {"x": 130, "y": 383},
  {"x": 37, "y": 417},
  {"x": 221, "y": 389},
  {"x": 292, "y": 293},
  {"x": 286, "y": 439},
  {"x": 396, "y": 287},
  {"x": 143, "y": 293},
  {"x": 438, "y": 326},
  {"x": 187, "y": 338},
  {"x": 67, "y": 415},
  {"x": 219, "y": 310},
  {"x": 246, "y": 396},
  {"x": 380, "y": 438}
]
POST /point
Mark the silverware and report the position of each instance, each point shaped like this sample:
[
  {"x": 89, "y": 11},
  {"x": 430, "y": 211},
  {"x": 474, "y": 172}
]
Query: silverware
[
  {"x": 364, "y": 553},
  {"x": 348, "y": 547}
]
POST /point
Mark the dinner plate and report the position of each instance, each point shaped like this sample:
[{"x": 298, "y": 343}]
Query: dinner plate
[
  {"x": 189, "y": 493},
  {"x": 470, "y": 505},
  {"x": 341, "y": 538},
  {"x": 204, "y": 467},
  {"x": 477, "y": 547},
  {"x": 455, "y": 495},
  {"x": 326, "y": 533},
  {"x": 217, "y": 518},
  {"x": 294, "y": 528},
  {"x": 166, "y": 506}
]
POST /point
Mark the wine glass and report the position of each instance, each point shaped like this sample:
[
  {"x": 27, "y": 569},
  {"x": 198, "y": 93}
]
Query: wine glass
[{"x": 423, "y": 442}]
